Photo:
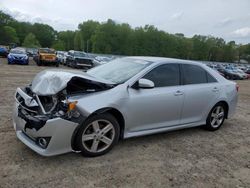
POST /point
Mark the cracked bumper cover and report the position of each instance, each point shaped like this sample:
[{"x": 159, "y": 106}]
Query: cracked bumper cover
[{"x": 59, "y": 130}]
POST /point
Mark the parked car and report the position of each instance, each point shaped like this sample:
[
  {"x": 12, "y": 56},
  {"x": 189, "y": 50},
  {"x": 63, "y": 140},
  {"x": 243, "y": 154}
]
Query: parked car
[
  {"x": 90, "y": 111},
  {"x": 99, "y": 60},
  {"x": 46, "y": 56},
  {"x": 31, "y": 52},
  {"x": 216, "y": 69},
  {"x": 60, "y": 56},
  {"x": 77, "y": 59},
  {"x": 4, "y": 51},
  {"x": 18, "y": 56},
  {"x": 247, "y": 71},
  {"x": 241, "y": 73},
  {"x": 229, "y": 74},
  {"x": 65, "y": 58}
]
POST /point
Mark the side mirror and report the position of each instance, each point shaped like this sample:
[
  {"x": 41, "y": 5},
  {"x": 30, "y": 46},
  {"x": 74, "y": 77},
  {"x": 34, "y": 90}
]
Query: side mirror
[{"x": 145, "y": 83}]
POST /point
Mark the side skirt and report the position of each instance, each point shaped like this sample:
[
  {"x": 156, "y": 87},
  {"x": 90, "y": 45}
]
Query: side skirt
[{"x": 164, "y": 129}]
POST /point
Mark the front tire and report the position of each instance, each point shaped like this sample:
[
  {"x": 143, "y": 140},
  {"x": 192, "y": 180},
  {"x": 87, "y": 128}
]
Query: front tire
[
  {"x": 98, "y": 135},
  {"x": 216, "y": 117}
]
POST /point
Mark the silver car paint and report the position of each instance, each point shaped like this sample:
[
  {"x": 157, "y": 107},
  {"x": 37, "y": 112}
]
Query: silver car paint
[
  {"x": 145, "y": 111},
  {"x": 155, "y": 113},
  {"x": 50, "y": 82},
  {"x": 58, "y": 129}
]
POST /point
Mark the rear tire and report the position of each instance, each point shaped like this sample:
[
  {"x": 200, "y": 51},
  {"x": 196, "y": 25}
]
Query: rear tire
[
  {"x": 98, "y": 135},
  {"x": 39, "y": 63},
  {"x": 216, "y": 117}
]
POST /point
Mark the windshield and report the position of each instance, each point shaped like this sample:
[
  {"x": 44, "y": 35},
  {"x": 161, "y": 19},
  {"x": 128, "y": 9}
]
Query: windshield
[
  {"x": 46, "y": 50},
  {"x": 119, "y": 70},
  {"x": 14, "y": 51},
  {"x": 79, "y": 54}
]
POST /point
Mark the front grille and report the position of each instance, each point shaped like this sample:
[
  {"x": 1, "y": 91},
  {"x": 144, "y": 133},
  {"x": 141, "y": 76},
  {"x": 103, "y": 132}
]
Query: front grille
[
  {"x": 19, "y": 98},
  {"x": 22, "y": 104},
  {"x": 17, "y": 58}
]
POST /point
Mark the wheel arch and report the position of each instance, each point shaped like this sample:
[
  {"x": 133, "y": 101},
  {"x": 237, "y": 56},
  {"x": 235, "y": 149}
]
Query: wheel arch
[
  {"x": 116, "y": 113},
  {"x": 225, "y": 104}
]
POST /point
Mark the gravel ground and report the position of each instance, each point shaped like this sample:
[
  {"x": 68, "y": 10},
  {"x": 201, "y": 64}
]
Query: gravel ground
[{"x": 186, "y": 158}]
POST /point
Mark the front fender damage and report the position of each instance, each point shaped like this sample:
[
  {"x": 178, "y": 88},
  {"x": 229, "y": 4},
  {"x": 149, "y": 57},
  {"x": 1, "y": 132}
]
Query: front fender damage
[{"x": 46, "y": 103}]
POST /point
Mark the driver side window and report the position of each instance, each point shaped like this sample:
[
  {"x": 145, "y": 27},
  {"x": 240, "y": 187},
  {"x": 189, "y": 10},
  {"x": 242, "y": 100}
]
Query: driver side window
[{"x": 165, "y": 75}]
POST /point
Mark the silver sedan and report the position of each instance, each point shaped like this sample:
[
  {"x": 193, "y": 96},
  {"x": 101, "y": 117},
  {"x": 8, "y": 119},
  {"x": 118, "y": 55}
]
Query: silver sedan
[{"x": 63, "y": 111}]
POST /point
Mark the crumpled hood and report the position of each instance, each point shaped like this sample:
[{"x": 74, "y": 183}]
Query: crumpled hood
[{"x": 50, "y": 82}]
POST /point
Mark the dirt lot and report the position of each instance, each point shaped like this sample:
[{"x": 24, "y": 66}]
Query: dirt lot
[{"x": 186, "y": 158}]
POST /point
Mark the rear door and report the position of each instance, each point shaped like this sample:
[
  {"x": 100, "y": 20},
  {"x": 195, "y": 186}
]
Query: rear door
[{"x": 201, "y": 91}]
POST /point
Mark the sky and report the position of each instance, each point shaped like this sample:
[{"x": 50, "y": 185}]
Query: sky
[{"x": 229, "y": 19}]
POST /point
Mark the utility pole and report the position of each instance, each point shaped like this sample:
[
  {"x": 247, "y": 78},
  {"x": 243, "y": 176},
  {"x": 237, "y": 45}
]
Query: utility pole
[{"x": 87, "y": 46}]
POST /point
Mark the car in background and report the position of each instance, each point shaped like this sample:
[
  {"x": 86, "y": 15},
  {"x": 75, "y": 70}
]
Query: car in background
[
  {"x": 78, "y": 59},
  {"x": 65, "y": 58},
  {"x": 241, "y": 73},
  {"x": 46, "y": 56},
  {"x": 18, "y": 56},
  {"x": 4, "y": 51},
  {"x": 128, "y": 97},
  {"x": 31, "y": 52},
  {"x": 60, "y": 56},
  {"x": 215, "y": 67},
  {"x": 229, "y": 74},
  {"x": 100, "y": 60},
  {"x": 247, "y": 71}
]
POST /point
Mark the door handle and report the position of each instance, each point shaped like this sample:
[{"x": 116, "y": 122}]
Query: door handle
[
  {"x": 177, "y": 93},
  {"x": 215, "y": 89}
]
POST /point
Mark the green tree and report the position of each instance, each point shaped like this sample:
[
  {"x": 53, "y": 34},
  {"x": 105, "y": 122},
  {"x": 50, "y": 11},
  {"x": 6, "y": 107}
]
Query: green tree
[
  {"x": 87, "y": 30},
  {"x": 78, "y": 42},
  {"x": 5, "y": 19},
  {"x": 30, "y": 41},
  {"x": 44, "y": 33},
  {"x": 22, "y": 29},
  {"x": 68, "y": 38},
  {"x": 9, "y": 35},
  {"x": 59, "y": 45},
  {"x": 119, "y": 38}
]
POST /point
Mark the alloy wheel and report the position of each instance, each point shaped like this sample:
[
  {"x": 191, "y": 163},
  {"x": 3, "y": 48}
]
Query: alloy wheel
[
  {"x": 217, "y": 116},
  {"x": 98, "y": 136}
]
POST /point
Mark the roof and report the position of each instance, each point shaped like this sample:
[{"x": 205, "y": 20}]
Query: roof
[{"x": 163, "y": 60}]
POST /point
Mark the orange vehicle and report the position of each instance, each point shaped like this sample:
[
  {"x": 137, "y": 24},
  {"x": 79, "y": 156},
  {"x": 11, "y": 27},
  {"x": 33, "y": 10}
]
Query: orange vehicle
[{"x": 46, "y": 56}]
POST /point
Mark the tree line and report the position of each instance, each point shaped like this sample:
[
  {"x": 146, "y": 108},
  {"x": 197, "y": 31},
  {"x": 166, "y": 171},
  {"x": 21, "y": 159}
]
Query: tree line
[{"x": 121, "y": 39}]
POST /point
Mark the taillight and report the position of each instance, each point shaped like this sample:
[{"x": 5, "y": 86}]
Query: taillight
[{"x": 237, "y": 87}]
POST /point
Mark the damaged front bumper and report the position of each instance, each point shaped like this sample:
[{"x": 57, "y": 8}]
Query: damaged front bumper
[{"x": 46, "y": 136}]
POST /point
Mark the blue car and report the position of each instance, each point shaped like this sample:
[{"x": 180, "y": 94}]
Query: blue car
[
  {"x": 3, "y": 51},
  {"x": 18, "y": 56}
]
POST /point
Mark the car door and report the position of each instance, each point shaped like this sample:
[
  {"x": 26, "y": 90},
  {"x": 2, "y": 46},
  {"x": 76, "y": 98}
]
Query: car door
[
  {"x": 70, "y": 58},
  {"x": 157, "y": 107},
  {"x": 201, "y": 91}
]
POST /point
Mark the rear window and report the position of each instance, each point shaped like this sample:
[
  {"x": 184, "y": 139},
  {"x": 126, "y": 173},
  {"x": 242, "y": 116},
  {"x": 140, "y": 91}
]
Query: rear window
[{"x": 194, "y": 74}]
